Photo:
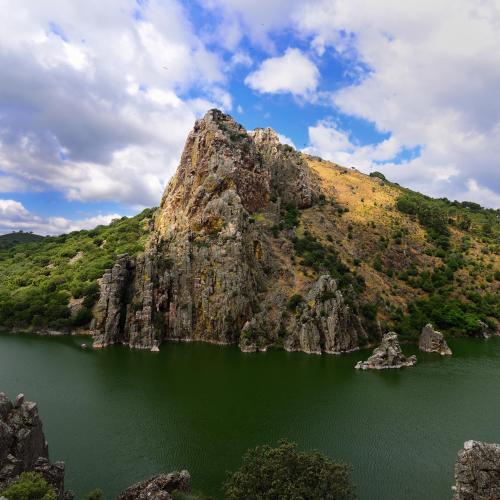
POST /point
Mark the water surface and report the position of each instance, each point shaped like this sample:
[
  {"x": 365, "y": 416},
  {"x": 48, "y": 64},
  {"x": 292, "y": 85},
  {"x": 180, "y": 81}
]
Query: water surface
[{"x": 117, "y": 416}]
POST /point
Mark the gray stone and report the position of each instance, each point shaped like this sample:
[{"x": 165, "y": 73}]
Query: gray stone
[
  {"x": 387, "y": 355},
  {"x": 433, "y": 341},
  {"x": 23, "y": 447},
  {"x": 159, "y": 487},
  {"x": 477, "y": 472}
]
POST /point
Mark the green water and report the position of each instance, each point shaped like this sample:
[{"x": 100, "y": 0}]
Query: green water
[{"x": 117, "y": 416}]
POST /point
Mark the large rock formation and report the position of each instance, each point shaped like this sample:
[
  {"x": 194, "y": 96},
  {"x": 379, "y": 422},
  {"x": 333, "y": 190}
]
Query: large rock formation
[
  {"x": 210, "y": 271},
  {"x": 387, "y": 355},
  {"x": 433, "y": 341},
  {"x": 158, "y": 487},
  {"x": 324, "y": 322},
  {"x": 477, "y": 472},
  {"x": 23, "y": 446}
]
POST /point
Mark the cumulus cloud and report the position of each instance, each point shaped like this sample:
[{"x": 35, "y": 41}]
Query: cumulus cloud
[
  {"x": 14, "y": 216},
  {"x": 292, "y": 73},
  {"x": 434, "y": 71},
  {"x": 101, "y": 115}
]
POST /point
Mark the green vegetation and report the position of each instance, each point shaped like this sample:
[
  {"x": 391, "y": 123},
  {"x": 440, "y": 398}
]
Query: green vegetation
[
  {"x": 326, "y": 259},
  {"x": 380, "y": 175},
  {"x": 294, "y": 301},
  {"x": 38, "y": 280},
  {"x": 29, "y": 486},
  {"x": 438, "y": 215},
  {"x": 12, "y": 239},
  {"x": 290, "y": 217},
  {"x": 284, "y": 473},
  {"x": 94, "y": 495}
]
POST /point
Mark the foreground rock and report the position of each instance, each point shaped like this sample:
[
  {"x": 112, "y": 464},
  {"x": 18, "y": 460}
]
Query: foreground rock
[
  {"x": 23, "y": 446},
  {"x": 477, "y": 472},
  {"x": 387, "y": 355},
  {"x": 433, "y": 341},
  {"x": 158, "y": 487}
]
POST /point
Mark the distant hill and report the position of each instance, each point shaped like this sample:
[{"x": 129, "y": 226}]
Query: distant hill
[
  {"x": 257, "y": 244},
  {"x": 10, "y": 239}
]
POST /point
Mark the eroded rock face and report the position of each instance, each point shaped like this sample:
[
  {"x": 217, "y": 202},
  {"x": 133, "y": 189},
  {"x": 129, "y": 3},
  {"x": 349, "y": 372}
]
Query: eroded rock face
[
  {"x": 158, "y": 487},
  {"x": 22, "y": 445},
  {"x": 208, "y": 273},
  {"x": 387, "y": 355},
  {"x": 433, "y": 341},
  {"x": 324, "y": 322},
  {"x": 477, "y": 472}
]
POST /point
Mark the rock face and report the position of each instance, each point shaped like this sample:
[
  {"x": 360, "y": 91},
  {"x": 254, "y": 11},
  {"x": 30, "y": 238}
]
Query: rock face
[
  {"x": 387, "y": 355},
  {"x": 324, "y": 323},
  {"x": 477, "y": 472},
  {"x": 158, "y": 487},
  {"x": 433, "y": 341},
  {"x": 210, "y": 272},
  {"x": 23, "y": 446}
]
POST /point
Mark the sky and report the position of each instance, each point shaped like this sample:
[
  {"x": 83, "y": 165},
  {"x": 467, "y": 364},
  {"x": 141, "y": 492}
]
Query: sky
[{"x": 97, "y": 98}]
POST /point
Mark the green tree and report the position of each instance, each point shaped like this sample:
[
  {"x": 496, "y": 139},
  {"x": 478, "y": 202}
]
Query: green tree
[
  {"x": 284, "y": 473},
  {"x": 29, "y": 486}
]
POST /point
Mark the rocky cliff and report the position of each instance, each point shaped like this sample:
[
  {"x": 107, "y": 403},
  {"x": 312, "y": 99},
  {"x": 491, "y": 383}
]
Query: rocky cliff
[
  {"x": 23, "y": 447},
  {"x": 219, "y": 265},
  {"x": 477, "y": 472}
]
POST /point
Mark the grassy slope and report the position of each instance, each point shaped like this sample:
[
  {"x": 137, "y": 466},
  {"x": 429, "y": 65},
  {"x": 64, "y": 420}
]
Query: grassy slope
[
  {"x": 409, "y": 278},
  {"x": 11, "y": 239},
  {"x": 53, "y": 283},
  {"x": 385, "y": 243}
]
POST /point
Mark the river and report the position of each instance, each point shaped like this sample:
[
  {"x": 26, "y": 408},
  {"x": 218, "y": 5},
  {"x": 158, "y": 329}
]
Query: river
[{"x": 116, "y": 416}]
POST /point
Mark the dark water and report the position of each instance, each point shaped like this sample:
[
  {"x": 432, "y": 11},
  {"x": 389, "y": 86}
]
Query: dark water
[{"x": 117, "y": 416}]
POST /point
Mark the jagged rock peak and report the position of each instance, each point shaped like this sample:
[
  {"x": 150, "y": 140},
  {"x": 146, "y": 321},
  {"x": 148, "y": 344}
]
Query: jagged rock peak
[
  {"x": 23, "y": 447},
  {"x": 387, "y": 355},
  {"x": 433, "y": 341},
  {"x": 265, "y": 136},
  {"x": 477, "y": 472}
]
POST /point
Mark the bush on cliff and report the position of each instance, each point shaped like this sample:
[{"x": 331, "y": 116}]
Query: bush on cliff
[
  {"x": 285, "y": 473},
  {"x": 29, "y": 486}
]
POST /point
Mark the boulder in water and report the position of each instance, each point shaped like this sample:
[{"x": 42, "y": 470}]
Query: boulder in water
[
  {"x": 433, "y": 341},
  {"x": 387, "y": 355}
]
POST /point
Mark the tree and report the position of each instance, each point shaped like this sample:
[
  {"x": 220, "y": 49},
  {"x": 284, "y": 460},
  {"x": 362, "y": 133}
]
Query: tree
[
  {"x": 29, "y": 486},
  {"x": 284, "y": 473}
]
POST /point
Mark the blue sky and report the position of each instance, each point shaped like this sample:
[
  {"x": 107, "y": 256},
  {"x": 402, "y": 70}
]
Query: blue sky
[{"x": 96, "y": 99}]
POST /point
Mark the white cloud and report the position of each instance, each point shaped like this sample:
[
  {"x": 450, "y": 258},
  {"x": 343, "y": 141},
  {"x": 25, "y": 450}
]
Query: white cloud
[
  {"x": 433, "y": 79},
  {"x": 286, "y": 140},
  {"x": 14, "y": 217},
  {"x": 293, "y": 72},
  {"x": 101, "y": 115}
]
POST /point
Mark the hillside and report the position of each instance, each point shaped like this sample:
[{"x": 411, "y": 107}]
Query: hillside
[
  {"x": 10, "y": 239},
  {"x": 257, "y": 244}
]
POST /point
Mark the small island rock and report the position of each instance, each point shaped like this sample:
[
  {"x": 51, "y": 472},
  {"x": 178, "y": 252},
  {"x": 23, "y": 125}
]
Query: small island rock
[
  {"x": 433, "y": 341},
  {"x": 387, "y": 355}
]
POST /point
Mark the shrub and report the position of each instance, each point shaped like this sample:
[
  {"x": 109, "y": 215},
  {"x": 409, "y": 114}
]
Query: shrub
[
  {"x": 284, "y": 473},
  {"x": 29, "y": 486},
  {"x": 294, "y": 301}
]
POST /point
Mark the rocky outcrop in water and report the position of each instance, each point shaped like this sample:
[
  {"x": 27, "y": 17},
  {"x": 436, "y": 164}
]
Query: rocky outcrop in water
[
  {"x": 158, "y": 487},
  {"x": 210, "y": 272},
  {"x": 387, "y": 355},
  {"x": 477, "y": 472},
  {"x": 433, "y": 341},
  {"x": 23, "y": 447}
]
